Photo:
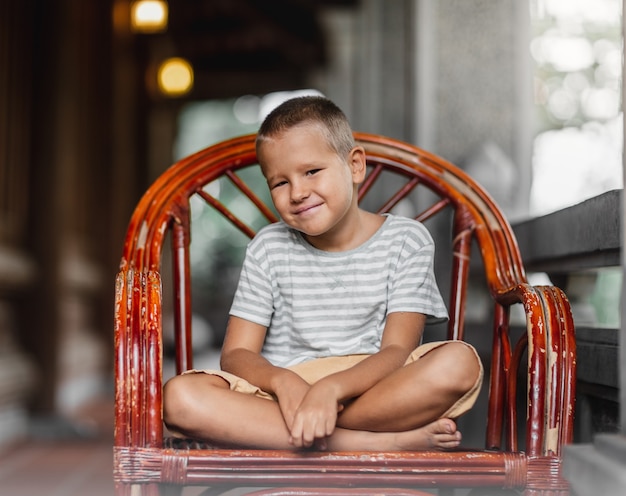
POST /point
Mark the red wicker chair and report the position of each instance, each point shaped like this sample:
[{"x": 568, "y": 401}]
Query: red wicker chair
[{"x": 545, "y": 355}]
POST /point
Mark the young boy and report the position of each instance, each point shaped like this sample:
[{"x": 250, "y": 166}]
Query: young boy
[{"x": 321, "y": 348}]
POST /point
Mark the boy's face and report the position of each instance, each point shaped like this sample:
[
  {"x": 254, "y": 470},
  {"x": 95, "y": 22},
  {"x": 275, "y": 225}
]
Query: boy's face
[{"x": 313, "y": 189}]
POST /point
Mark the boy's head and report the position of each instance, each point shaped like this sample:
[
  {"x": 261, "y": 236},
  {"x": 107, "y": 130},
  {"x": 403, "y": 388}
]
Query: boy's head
[
  {"x": 307, "y": 154},
  {"x": 309, "y": 110}
]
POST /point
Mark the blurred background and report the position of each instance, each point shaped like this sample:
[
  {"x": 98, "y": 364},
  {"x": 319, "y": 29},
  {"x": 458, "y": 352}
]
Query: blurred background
[{"x": 95, "y": 103}]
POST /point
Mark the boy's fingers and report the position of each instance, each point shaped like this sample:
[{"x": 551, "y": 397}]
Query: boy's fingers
[
  {"x": 330, "y": 427},
  {"x": 295, "y": 432}
]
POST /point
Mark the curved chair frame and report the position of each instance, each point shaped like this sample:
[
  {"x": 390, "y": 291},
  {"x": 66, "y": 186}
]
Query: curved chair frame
[{"x": 142, "y": 463}]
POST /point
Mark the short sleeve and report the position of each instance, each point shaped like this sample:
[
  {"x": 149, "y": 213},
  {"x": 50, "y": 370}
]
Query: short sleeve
[
  {"x": 413, "y": 287},
  {"x": 253, "y": 297}
]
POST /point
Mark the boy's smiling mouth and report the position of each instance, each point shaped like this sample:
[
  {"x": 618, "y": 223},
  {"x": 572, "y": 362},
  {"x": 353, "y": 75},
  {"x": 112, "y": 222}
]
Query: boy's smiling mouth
[{"x": 306, "y": 209}]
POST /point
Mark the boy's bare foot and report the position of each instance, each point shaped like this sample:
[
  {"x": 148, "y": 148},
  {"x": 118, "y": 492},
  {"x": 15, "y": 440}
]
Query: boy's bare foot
[{"x": 440, "y": 434}]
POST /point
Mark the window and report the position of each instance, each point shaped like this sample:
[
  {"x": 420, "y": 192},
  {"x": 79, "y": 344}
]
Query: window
[{"x": 576, "y": 47}]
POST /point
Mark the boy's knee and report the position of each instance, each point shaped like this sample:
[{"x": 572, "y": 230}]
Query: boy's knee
[
  {"x": 175, "y": 399},
  {"x": 463, "y": 364},
  {"x": 184, "y": 396}
]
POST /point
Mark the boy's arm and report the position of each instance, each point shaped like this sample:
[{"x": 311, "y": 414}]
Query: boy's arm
[
  {"x": 241, "y": 351},
  {"x": 317, "y": 415},
  {"x": 402, "y": 334},
  {"x": 241, "y": 355}
]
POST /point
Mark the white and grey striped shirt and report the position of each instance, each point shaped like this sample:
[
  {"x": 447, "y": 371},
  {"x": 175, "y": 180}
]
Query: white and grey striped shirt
[{"x": 317, "y": 303}]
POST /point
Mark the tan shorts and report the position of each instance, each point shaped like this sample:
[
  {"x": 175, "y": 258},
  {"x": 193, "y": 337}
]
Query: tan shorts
[{"x": 314, "y": 370}]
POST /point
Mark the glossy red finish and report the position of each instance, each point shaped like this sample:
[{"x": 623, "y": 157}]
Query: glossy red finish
[{"x": 143, "y": 463}]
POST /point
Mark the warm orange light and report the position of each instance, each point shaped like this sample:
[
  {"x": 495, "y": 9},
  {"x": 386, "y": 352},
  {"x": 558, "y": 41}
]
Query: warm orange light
[
  {"x": 149, "y": 16},
  {"x": 175, "y": 77}
]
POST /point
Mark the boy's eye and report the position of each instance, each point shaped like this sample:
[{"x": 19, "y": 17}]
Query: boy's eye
[
  {"x": 312, "y": 172},
  {"x": 279, "y": 183}
]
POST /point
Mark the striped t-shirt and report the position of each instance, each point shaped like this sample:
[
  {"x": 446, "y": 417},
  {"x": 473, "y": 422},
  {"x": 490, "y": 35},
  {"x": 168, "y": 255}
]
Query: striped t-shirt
[{"x": 317, "y": 303}]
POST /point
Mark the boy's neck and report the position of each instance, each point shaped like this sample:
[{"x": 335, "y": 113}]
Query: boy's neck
[{"x": 351, "y": 233}]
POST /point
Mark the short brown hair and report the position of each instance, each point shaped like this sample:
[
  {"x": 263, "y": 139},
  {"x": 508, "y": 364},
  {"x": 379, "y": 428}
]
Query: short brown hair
[{"x": 310, "y": 109}]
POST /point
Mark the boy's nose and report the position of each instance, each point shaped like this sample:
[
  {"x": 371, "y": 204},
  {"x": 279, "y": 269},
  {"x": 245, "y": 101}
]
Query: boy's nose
[{"x": 298, "y": 192}]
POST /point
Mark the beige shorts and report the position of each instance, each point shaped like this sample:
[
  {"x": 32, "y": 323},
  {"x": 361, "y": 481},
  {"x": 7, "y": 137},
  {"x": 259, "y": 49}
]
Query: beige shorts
[{"x": 314, "y": 370}]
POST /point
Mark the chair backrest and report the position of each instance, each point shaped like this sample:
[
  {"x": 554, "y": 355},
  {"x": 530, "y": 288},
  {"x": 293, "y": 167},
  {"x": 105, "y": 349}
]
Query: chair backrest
[
  {"x": 166, "y": 206},
  {"x": 400, "y": 171}
]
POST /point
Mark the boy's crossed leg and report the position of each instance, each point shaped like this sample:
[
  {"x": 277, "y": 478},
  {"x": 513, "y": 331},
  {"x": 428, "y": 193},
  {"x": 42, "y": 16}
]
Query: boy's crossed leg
[{"x": 408, "y": 410}]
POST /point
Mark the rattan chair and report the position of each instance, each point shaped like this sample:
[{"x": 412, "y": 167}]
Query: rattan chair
[{"x": 399, "y": 175}]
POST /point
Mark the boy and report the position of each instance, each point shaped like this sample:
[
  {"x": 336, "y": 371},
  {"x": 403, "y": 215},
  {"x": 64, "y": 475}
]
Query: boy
[{"x": 321, "y": 348}]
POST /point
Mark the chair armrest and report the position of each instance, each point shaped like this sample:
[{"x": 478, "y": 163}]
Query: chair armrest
[
  {"x": 138, "y": 358},
  {"x": 551, "y": 348}
]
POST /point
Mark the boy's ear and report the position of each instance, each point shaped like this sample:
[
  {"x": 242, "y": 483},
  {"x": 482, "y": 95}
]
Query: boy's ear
[{"x": 358, "y": 164}]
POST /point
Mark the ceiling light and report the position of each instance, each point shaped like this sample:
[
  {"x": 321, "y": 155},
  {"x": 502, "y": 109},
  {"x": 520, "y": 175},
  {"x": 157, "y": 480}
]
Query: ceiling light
[
  {"x": 149, "y": 16},
  {"x": 175, "y": 77}
]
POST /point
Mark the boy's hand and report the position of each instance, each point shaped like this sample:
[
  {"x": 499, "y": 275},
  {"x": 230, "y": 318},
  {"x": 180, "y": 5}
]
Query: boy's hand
[
  {"x": 316, "y": 417},
  {"x": 290, "y": 389}
]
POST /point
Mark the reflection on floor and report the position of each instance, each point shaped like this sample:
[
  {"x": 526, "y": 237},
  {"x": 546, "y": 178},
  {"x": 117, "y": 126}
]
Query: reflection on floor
[
  {"x": 63, "y": 458},
  {"x": 65, "y": 468}
]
